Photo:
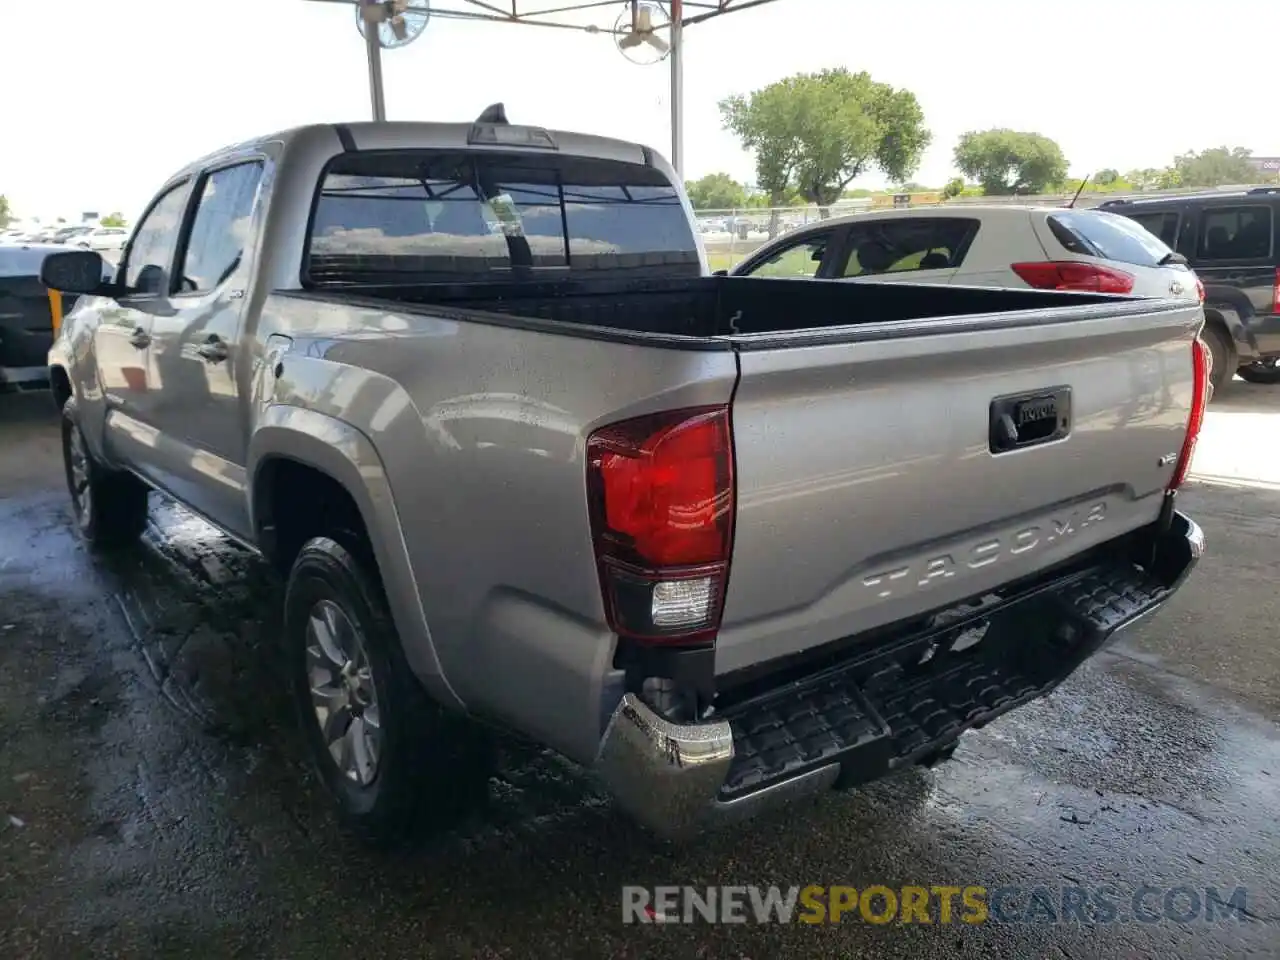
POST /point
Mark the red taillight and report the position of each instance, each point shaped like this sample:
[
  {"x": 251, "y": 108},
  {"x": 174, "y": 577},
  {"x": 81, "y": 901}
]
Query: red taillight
[
  {"x": 1073, "y": 275},
  {"x": 662, "y": 505},
  {"x": 1202, "y": 364}
]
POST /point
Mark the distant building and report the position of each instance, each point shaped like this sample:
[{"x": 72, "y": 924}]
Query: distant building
[{"x": 1268, "y": 166}]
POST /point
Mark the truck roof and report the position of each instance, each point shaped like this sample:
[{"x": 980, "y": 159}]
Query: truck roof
[{"x": 392, "y": 135}]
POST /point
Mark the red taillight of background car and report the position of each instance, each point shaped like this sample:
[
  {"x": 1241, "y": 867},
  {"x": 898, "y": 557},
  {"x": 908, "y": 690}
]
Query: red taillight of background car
[
  {"x": 661, "y": 492},
  {"x": 1073, "y": 275},
  {"x": 1275, "y": 293},
  {"x": 1202, "y": 365}
]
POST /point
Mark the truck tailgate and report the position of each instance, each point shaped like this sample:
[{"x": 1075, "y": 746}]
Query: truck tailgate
[{"x": 873, "y": 488}]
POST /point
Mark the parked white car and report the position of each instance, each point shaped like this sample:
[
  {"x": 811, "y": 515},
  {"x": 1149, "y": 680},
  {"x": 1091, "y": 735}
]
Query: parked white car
[
  {"x": 102, "y": 239},
  {"x": 1048, "y": 248}
]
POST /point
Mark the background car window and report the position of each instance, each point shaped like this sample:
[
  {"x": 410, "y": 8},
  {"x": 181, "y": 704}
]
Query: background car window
[
  {"x": 1236, "y": 233},
  {"x": 1162, "y": 225},
  {"x": 151, "y": 252},
  {"x": 899, "y": 246},
  {"x": 1108, "y": 236},
  {"x": 800, "y": 260},
  {"x": 220, "y": 230}
]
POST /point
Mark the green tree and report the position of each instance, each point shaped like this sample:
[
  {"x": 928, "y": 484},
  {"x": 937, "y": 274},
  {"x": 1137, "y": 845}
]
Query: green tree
[
  {"x": 1215, "y": 167},
  {"x": 5, "y": 213},
  {"x": 1142, "y": 178},
  {"x": 114, "y": 220},
  {"x": 1010, "y": 161},
  {"x": 954, "y": 187},
  {"x": 764, "y": 123},
  {"x": 817, "y": 132},
  {"x": 1106, "y": 177}
]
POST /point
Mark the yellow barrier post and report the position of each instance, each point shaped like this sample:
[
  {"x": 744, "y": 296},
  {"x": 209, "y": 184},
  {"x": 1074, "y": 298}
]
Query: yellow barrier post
[{"x": 55, "y": 310}]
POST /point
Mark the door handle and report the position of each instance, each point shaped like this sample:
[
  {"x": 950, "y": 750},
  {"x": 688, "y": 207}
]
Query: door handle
[
  {"x": 140, "y": 338},
  {"x": 214, "y": 350}
]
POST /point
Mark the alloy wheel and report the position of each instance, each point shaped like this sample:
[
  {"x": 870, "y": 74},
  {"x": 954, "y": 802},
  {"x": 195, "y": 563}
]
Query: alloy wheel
[
  {"x": 78, "y": 475},
  {"x": 343, "y": 694}
]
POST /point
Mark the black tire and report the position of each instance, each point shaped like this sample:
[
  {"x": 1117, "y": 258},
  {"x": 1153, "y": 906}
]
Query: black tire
[
  {"x": 431, "y": 768},
  {"x": 1224, "y": 355},
  {"x": 110, "y": 506},
  {"x": 1265, "y": 372}
]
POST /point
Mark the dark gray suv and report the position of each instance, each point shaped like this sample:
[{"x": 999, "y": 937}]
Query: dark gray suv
[{"x": 1232, "y": 240}]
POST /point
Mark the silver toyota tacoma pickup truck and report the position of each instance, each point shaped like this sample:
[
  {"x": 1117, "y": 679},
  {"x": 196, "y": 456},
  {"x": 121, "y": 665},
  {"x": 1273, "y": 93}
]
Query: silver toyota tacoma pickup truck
[{"x": 520, "y": 458}]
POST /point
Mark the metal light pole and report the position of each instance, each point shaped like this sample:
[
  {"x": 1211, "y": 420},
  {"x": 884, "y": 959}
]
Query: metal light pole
[
  {"x": 374, "y": 49},
  {"x": 677, "y": 86}
]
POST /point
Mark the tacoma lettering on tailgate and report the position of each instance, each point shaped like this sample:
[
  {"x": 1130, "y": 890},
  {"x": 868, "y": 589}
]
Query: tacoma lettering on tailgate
[{"x": 930, "y": 569}]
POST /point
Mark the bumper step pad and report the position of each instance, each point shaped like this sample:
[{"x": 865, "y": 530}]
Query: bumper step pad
[{"x": 1032, "y": 644}]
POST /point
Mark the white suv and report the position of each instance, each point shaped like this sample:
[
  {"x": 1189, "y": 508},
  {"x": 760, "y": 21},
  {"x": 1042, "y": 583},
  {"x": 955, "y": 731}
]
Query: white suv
[{"x": 1049, "y": 248}]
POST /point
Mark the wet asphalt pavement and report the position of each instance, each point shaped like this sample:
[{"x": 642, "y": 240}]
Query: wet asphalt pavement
[{"x": 154, "y": 800}]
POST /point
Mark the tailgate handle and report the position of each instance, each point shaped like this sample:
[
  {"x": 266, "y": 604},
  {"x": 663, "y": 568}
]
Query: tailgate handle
[{"x": 1022, "y": 420}]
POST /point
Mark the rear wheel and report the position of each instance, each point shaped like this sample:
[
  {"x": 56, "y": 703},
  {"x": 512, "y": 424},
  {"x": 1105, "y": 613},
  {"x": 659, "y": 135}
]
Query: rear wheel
[
  {"x": 392, "y": 760},
  {"x": 110, "y": 507},
  {"x": 1223, "y": 352},
  {"x": 1262, "y": 371}
]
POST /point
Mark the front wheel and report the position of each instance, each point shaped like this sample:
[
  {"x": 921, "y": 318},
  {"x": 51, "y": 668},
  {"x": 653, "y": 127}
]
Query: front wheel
[
  {"x": 1263, "y": 371},
  {"x": 110, "y": 507},
  {"x": 389, "y": 757}
]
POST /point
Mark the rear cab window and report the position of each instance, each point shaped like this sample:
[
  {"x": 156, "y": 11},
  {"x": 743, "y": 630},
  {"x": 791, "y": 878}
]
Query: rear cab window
[
  {"x": 908, "y": 244},
  {"x": 1236, "y": 233},
  {"x": 1107, "y": 236},
  {"x": 448, "y": 216}
]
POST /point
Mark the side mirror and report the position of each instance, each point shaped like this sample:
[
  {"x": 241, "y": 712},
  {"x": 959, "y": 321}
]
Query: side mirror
[
  {"x": 720, "y": 273},
  {"x": 75, "y": 271}
]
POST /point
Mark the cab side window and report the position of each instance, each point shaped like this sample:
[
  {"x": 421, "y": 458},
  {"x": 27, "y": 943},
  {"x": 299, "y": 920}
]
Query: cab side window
[
  {"x": 220, "y": 229},
  {"x": 1236, "y": 233},
  {"x": 150, "y": 255},
  {"x": 908, "y": 244},
  {"x": 1162, "y": 225}
]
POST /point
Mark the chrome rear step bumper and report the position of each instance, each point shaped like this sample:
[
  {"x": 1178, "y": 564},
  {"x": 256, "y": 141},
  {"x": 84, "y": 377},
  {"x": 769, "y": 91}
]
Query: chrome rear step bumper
[{"x": 859, "y": 719}]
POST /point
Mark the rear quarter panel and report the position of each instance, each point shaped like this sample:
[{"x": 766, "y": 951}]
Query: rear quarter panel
[{"x": 481, "y": 433}]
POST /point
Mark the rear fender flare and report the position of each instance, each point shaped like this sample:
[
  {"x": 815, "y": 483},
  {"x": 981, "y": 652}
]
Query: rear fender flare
[{"x": 348, "y": 456}]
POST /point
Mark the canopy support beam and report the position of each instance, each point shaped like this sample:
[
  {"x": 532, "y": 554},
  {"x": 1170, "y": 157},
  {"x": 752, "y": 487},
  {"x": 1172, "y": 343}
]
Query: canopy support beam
[{"x": 677, "y": 86}]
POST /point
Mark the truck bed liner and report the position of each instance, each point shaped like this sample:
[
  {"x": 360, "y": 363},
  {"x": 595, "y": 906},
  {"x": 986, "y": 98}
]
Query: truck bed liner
[{"x": 712, "y": 306}]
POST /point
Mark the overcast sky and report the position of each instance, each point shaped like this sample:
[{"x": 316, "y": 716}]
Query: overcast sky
[{"x": 105, "y": 98}]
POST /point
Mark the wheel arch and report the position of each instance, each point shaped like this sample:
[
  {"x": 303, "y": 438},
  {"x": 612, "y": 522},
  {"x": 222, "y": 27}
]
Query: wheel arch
[
  {"x": 291, "y": 438},
  {"x": 59, "y": 385},
  {"x": 1227, "y": 317}
]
